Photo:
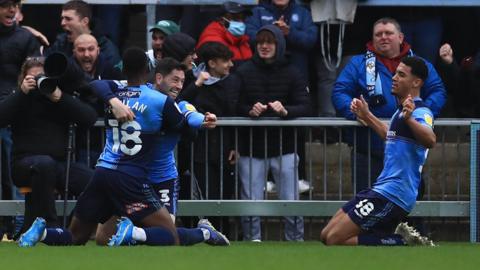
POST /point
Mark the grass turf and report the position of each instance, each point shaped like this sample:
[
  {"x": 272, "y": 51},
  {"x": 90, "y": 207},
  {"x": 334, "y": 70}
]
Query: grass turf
[{"x": 242, "y": 255}]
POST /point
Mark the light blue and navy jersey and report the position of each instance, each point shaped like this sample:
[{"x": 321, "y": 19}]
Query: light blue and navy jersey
[
  {"x": 129, "y": 145},
  {"x": 404, "y": 159},
  {"x": 162, "y": 167}
]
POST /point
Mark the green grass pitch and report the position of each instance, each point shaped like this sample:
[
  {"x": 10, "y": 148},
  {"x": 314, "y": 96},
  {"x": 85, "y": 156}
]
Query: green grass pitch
[{"x": 242, "y": 255}]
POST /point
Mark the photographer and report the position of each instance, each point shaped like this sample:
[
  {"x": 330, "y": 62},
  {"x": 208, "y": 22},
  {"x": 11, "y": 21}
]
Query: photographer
[{"x": 40, "y": 124}]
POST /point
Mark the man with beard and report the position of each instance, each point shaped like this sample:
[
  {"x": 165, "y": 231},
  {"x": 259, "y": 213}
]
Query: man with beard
[{"x": 86, "y": 53}]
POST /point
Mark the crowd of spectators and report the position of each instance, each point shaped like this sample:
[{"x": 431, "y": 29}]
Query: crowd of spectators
[{"x": 242, "y": 61}]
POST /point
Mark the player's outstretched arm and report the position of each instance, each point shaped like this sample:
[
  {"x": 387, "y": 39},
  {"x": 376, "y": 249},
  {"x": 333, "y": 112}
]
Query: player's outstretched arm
[{"x": 360, "y": 108}]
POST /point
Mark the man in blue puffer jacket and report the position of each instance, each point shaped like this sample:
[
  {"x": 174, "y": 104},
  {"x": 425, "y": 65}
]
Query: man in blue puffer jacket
[
  {"x": 297, "y": 26},
  {"x": 370, "y": 75}
]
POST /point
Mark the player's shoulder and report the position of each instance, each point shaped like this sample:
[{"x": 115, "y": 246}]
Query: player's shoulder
[
  {"x": 421, "y": 107},
  {"x": 423, "y": 114}
]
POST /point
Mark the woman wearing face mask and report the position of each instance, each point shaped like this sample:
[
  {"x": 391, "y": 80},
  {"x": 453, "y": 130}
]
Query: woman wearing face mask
[{"x": 229, "y": 29}]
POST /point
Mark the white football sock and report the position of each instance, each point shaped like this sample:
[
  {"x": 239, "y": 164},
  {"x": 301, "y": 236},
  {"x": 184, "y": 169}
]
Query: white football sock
[
  {"x": 206, "y": 234},
  {"x": 138, "y": 234},
  {"x": 44, "y": 234}
]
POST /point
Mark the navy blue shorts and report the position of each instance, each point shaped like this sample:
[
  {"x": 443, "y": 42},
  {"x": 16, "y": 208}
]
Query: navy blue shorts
[
  {"x": 374, "y": 213},
  {"x": 114, "y": 193},
  {"x": 168, "y": 193}
]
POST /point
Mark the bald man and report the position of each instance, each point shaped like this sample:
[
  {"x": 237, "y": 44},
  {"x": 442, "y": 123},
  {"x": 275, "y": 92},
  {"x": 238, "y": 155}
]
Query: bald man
[
  {"x": 89, "y": 58},
  {"x": 86, "y": 52}
]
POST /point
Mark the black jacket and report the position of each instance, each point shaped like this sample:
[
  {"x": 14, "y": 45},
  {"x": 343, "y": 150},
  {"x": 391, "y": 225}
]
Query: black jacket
[
  {"x": 264, "y": 83},
  {"x": 16, "y": 44},
  {"x": 40, "y": 126},
  {"x": 219, "y": 99}
]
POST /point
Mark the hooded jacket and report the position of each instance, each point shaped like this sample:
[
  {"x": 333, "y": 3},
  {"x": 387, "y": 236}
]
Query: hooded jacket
[
  {"x": 262, "y": 82},
  {"x": 303, "y": 32}
]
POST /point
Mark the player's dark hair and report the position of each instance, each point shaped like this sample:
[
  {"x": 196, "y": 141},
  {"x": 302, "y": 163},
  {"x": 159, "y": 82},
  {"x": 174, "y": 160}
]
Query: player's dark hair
[
  {"x": 82, "y": 8},
  {"x": 135, "y": 63},
  {"x": 214, "y": 50},
  {"x": 166, "y": 65},
  {"x": 417, "y": 66}
]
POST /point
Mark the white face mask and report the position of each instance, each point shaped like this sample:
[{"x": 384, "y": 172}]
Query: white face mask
[{"x": 236, "y": 28}]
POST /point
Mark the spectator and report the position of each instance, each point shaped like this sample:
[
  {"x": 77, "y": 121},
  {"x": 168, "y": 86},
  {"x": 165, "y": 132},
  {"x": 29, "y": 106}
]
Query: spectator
[
  {"x": 269, "y": 86},
  {"x": 86, "y": 53},
  {"x": 16, "y": 43},
  {"x": 181, "y": 47},
  {"x": 37, "y": 118},
  {"x": 87, "y": 56},
  {"x": 300, "y": 33},
  {"x": 229, "y": 29},
  {"x": 40, "y": 37},
  {"x": 371, "y": 75},
  {"x": 462, "y": 82},
  {"x": 213, "y": 93},
  {"x": 159, "y": 32},
  {"x": 296, "y": 24},
  {"x": 77, "y": 20}
]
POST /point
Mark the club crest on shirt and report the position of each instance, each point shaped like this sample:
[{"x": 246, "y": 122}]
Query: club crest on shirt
[{"x": 428, "y": 119}]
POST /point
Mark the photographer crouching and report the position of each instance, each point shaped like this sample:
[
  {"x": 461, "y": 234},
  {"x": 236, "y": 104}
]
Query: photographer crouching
[{"x": 40, "y": 121}]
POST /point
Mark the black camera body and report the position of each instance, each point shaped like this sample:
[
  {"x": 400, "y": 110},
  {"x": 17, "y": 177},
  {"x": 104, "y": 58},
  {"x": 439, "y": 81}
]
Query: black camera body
[
  {"x": 46, "y": 85},
  {"x": 61, "y": 72}
]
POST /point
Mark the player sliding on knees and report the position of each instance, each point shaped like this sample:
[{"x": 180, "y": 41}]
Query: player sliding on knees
[
  {"x": 169, "y": 78},
  {"x": 374, "y": 216},
  {"x": 120, "y": 185}
]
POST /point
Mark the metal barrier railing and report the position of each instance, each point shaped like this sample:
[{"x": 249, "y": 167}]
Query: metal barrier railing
[{"x": 328, "y": 168}]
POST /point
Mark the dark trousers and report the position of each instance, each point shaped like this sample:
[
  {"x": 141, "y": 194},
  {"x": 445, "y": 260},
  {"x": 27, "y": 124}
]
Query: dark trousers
[
  {"x": 45, "y": 175},
  {"x": 6, "y": 186}
]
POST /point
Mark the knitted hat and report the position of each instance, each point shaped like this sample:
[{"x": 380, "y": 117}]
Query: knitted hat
[
  {"x": 166, "y": 26},
  {"x": 178, "y": 46}
]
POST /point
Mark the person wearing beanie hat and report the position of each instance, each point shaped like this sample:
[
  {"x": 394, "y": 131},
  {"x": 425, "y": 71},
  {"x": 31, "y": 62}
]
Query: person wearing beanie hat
[
  {"x": 181, "y": 47},
  {"x": 159, "y": 32}
]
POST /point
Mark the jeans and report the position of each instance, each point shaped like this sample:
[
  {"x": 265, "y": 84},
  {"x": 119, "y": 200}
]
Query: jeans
[{"x": 253, "y": 183}]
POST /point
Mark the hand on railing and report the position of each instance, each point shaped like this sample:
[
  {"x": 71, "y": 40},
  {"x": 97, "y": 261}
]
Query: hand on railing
[
  {"x": 360, "y": 108},
  {"x": 278, "y": 108},
  {"x": 257, "y": 109}
]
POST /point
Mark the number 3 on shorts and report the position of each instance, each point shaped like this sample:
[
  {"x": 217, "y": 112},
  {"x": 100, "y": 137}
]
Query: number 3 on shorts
[{"x": 364, "y": 207}]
